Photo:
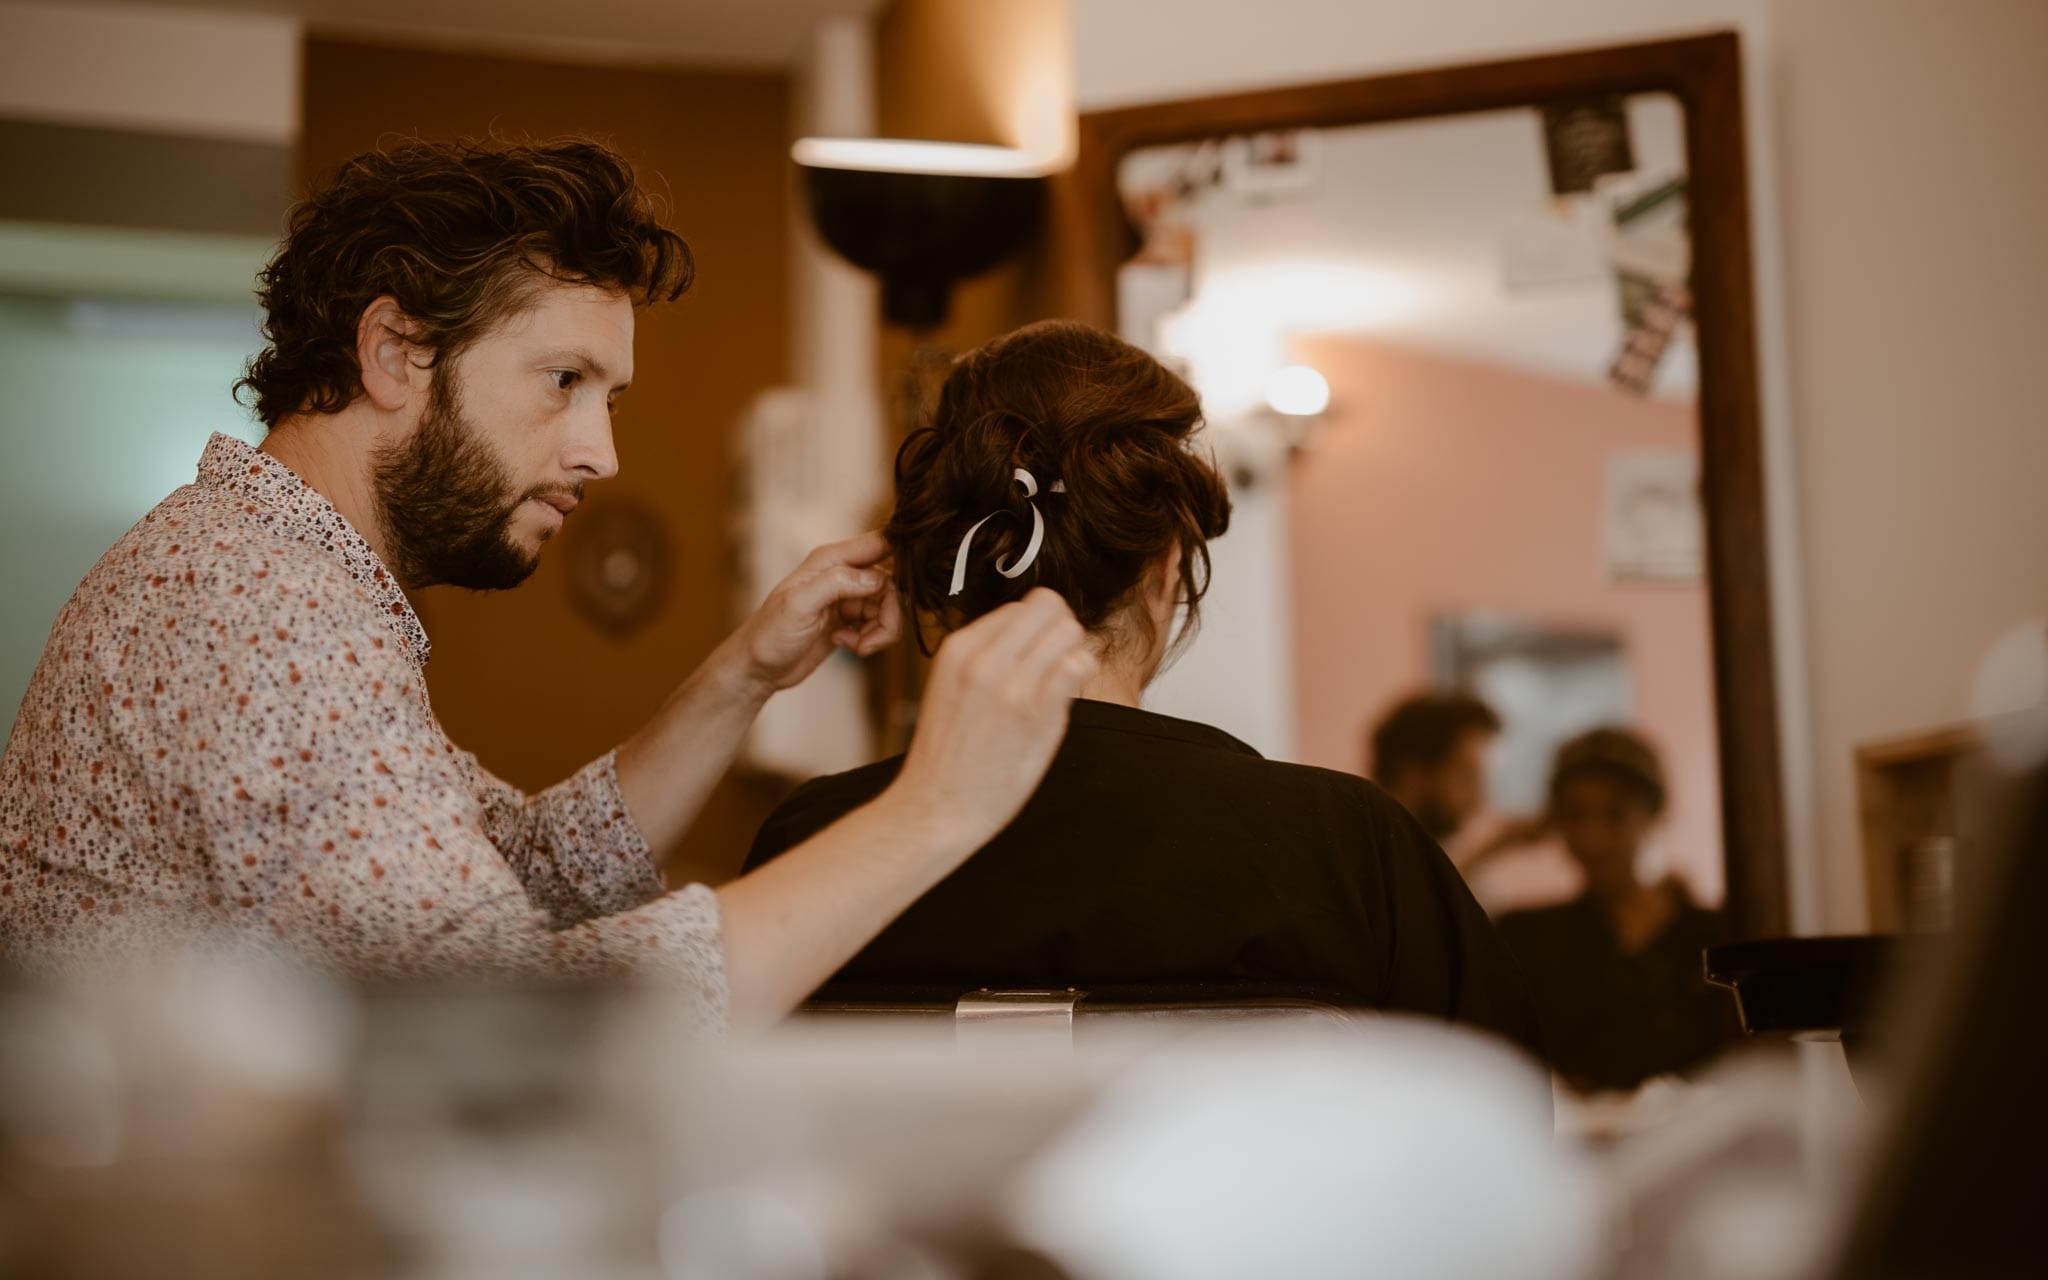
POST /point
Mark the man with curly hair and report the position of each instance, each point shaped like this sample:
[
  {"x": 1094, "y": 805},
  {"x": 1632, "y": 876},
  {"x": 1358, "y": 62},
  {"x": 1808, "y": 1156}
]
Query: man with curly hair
[{"x": 229, "y": 733}]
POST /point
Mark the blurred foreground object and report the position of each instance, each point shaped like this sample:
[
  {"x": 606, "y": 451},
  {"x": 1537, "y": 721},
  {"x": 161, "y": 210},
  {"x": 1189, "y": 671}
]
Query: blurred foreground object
[
  {"x": 219, "y": 1116},
  {"x": 227, "y": 1118},
  {"x": 180, "y": 1126},
  {"x": 1958, "y": 1178},
  {"x": 1406, "y": 1150}
]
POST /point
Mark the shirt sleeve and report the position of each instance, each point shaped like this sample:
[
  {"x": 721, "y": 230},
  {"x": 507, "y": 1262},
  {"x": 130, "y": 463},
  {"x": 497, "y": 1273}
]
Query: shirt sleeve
[
  {"x": 574, "y": 847},
  {"x": 338, "y": 821}
]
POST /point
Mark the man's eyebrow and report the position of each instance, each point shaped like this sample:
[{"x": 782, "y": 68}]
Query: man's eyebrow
[{"x": 589, "y": 363}]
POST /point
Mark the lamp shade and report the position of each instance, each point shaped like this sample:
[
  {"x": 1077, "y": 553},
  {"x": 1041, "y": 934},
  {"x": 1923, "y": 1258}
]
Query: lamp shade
[{"x": 920, "y": 232}]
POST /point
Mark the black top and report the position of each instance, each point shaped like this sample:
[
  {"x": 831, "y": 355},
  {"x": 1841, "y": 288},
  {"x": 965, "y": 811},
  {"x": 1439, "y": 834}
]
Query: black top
[
  {"x": 1613, "y": 1019},
  {"x": 1158, "y": 850}
]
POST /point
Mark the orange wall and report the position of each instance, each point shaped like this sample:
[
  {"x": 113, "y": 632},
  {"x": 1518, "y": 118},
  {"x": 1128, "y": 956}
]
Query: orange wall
[
  {"x": 1439, "y": 486},
  {"x": 518, "y": 677}
]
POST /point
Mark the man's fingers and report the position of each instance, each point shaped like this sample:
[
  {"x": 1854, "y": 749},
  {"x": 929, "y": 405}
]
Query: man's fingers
[
  {"x": 1040, "y": 666},
  {"x": 1024, "y": 622},
  {"x": 869, "y": 623},
  {"x": 814, "y": 593},
  {"x": 886, "y": 628},
  {"x": 860, "y": 551},
  {"x": 1063, "y": 680},
  {"x": 877, "y": 630}
]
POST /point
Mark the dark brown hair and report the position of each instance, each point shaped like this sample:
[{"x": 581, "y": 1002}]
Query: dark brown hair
[
  {"x": 1069, "y": 404},
  {"x": 1422, "y": 731},
  {"x": 459, "y": 233},
  {"x": 1621, "y": 756}
]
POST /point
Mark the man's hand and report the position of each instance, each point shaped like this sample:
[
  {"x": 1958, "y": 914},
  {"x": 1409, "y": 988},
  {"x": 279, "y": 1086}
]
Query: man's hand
[
  {"x": 995, "y": 710},
  {"x": 838, "y": 597},
  {"x": 1514, "y": 833}
]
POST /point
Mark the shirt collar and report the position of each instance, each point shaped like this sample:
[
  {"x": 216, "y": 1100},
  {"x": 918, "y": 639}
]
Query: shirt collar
[
  {"x": 1090, "y": 714},
  {"x": 274, "y": 494}
]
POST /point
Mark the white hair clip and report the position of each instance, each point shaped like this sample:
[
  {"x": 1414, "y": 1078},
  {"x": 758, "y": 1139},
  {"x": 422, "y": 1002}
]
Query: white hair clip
[{"x": 1030, "y": 550}]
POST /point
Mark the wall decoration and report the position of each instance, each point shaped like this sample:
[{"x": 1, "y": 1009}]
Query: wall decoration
[
  {"x": 1277, "y": 162},
  {"x": 1648, "y": 337},
  {"x": 1584, "y": 140},
  {"x": 1547, "y": 681},
  {"x": 1653, "y": 527},
  {"x": 617, "y": 555}
]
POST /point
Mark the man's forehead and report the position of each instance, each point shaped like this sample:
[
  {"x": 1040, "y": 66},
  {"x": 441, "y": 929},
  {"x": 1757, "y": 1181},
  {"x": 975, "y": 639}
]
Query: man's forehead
[{"x": 576, "y": 317}]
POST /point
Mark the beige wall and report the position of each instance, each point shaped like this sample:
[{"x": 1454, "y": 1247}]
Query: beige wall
[
  {"x": 1915, "y": 205},
  {"x": 190, "y": 72}
]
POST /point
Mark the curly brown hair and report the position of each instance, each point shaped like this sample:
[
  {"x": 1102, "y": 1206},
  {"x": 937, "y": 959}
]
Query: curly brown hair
[
  {"x": 1068, "y": 403},
  {"x": 459, "y": 234}
]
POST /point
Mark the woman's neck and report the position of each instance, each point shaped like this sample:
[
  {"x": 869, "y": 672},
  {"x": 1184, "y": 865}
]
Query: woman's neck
[
  {"x": 1125, "y": 664},
  {"x": 1114, "y": 684}
]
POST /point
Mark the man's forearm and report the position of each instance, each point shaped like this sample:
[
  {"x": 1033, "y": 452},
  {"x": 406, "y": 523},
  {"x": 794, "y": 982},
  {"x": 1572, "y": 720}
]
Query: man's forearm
[
  {"x": 667, "y": 769},
  {"x": 788, "y": 925}
]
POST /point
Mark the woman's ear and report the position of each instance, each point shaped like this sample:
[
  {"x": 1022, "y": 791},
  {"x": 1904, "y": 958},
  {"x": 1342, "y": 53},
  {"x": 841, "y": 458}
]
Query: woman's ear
[
  {"x": 384, "y": 352},
  {"x": 1162, "y": 593}
]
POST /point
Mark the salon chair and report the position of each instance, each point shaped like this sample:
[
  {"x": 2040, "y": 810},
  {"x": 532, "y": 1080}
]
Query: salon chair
[
  {"x": 1824, "y": 988},
  {"x": 1069, "y": 1014}
]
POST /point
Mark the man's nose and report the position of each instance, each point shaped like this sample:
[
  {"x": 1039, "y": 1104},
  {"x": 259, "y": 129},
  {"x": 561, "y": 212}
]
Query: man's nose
[{"x": 589, "y": 452}]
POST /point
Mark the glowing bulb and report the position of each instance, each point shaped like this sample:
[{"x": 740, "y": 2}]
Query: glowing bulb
[
  {"x": 1298, "y": 391},
  {"x": 906, "y": 155}
]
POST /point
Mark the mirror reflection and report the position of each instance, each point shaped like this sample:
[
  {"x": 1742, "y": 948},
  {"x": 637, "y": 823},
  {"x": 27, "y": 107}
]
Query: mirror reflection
[{"x": 1448, "y": 368}]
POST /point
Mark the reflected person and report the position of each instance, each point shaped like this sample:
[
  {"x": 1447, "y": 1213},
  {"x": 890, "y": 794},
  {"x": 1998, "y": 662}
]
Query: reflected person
[{"x": 1617, "y": 973}]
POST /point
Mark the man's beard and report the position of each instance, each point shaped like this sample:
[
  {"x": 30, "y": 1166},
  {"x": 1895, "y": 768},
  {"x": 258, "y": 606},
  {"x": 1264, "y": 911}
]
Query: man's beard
[{"x": 447, "y": 503}]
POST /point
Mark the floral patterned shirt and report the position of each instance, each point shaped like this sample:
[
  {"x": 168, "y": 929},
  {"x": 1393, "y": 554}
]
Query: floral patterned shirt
[{"x": 229, "y": 732}]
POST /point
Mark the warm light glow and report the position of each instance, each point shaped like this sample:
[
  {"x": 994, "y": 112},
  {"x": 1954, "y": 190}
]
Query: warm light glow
[
  {"x": 1298, "y": 391},
  {"x": 1243, "y": 322},
  {"x": 906, "y": 155}
]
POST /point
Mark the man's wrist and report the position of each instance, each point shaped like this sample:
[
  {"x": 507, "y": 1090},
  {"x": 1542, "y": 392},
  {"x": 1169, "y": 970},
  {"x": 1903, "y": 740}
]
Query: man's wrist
[
  {"x": 917, "y": 819},
  {"x": 732, "y": 671}
]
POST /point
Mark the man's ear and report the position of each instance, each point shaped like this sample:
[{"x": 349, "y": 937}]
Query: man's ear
[{"x": 384, "y": 352}]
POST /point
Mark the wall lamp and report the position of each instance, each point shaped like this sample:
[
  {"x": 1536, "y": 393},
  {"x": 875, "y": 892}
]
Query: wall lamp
[{"x": 920, "y": 216}]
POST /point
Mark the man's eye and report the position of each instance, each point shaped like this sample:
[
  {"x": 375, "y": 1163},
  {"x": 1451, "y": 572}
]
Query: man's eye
[{"x": 565, "y": 378}]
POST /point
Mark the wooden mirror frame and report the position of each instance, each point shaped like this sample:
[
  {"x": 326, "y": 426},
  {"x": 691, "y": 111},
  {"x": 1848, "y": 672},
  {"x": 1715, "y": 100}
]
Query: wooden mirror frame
[{"x": 1705, "y": 75}]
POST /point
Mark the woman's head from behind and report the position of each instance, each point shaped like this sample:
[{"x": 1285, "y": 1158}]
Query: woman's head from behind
[{"x": 1126, "y": 507}]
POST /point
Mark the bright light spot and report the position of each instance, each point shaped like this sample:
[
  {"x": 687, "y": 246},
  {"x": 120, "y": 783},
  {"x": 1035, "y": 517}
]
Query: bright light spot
[
  {"x": 1298, "y": 391},
  {"x": 1237, "y": 329},
  {"x": 2009, "y": 697},
  {"x": 1310, "y": 297},
  {"x": 904, "y": 155}
]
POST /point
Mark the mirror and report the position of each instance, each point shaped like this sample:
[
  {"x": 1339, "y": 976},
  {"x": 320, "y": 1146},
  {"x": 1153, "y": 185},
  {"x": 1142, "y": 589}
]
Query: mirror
[
  {"x": 1475, "y": 352},
  {"x": 1487, "y": 493}
]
